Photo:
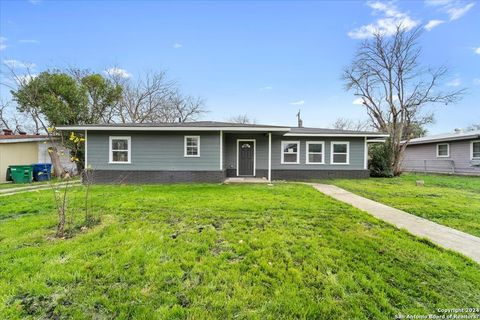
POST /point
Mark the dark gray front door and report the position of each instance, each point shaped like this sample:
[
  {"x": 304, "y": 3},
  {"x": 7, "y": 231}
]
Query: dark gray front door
[{"x": 246, "y": 158}]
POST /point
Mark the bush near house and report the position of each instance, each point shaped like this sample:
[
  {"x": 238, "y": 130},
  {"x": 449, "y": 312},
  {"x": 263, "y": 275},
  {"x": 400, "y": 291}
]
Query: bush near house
[{"x": 380, "y": 164}]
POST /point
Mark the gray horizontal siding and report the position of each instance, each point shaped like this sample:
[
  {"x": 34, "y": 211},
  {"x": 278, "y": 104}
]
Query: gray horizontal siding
[
  {"x": 357, "y": 146},
  {"x": 164, "y": 151},
  {"x": 261, "y": 145},
  {"x": 156, "y": 151},
  {"x": 423, "y": 157},
  {"x": 357, "y": 157}
]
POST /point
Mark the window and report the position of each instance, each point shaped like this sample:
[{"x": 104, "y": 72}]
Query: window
[
  {"x": 475, "y": 150},
  {"x": 290, "y": 152},
  {"x": 315, "y": 152},
  {"x": 339, "y": 153},
  {"x": 443, "y": 150},
  {"x": 120, "y": 149},
  {"x": 192, "y": 146}
]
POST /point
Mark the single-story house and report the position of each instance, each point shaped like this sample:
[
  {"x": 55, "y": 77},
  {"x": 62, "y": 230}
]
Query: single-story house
[
  {"x": 210, "y": 151},
  {"x": 24, "y": 149},
  {"x": 455, "y": 153}
]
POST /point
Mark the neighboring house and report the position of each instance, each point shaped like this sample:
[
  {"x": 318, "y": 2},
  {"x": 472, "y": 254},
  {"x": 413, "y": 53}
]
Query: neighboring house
[
  {"x": 457, "y": 153},
  {"x": 210, "y": 151},
  {"x": 27, "y": 149}
]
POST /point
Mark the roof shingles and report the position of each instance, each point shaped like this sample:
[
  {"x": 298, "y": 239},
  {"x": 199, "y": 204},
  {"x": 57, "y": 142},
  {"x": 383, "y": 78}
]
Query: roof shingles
[{"x": 218, "y": 124}]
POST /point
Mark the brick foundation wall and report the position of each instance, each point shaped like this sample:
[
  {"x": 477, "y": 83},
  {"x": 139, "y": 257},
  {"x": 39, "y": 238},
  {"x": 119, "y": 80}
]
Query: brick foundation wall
[
  {"x": 302, "y": 175},
  {"x": 134, "y": 176}
]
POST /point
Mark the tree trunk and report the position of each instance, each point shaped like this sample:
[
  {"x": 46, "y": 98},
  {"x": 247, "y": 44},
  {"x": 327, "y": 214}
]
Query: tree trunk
[
  {"x": 57, "y": 165},
  {"x": 398, "y": 150},
  {"x": 397, "y": 170}
]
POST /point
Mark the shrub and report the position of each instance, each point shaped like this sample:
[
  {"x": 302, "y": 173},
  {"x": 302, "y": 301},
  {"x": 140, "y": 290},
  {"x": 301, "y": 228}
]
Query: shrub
[{"x": 380, "y": 163}]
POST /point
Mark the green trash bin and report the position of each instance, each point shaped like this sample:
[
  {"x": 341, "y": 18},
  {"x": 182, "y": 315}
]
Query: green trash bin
[{"x": 21, "y": 174}]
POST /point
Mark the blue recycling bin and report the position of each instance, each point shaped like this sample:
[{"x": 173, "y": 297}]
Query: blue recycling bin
[{"x": 42, "y": 171}]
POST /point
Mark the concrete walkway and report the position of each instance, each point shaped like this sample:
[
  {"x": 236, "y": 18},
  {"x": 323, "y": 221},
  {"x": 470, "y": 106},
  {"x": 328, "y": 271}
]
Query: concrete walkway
[
  {"x": 30, "y": 188},
  {"x": 443, "y": 236},
  {"x": 245, "y": 180}
]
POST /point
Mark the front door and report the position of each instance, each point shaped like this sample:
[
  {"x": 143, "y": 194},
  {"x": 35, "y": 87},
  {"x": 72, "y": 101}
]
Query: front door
[{"x": 246, "y": 157}]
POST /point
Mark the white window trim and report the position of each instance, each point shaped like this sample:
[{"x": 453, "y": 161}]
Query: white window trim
[
  {"x": 282, "y": 153},
  {"x": 185, "y": 147},
  {"x": 471, "y": 150},
  {"x": 332, "y": 153},
  {"x": 448, "y": 150},
  {"x": 254, "y": 157},
  {"x": 110, "y": 151},
  {"x": 307, "y": 153}
]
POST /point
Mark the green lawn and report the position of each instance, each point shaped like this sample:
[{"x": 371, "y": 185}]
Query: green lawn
[
  {"x": 221, "y": 252},
  {"x": 453, "y": 201}
]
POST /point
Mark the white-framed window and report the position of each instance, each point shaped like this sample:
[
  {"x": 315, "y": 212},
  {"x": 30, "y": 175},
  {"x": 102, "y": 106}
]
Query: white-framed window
[
  {"x": 290, "y": 152},
  {"x": 476, "y": 150},
  {"x": 120, "y": 149},
  {"x": 315, "y": 152},
  {"x": 340, "y": 152},
  {"x": 192, "y": 146},
  {"x": 443, "y": 150}
]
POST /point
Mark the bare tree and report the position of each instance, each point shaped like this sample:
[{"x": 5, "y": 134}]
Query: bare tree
[
  {"x": 154, "y": 98},
  {"x": 395, "y": 89},
  {"x": 242, "y": 118},
  {"x": 4, "y": 120},
  {"x": 183, "y": 108},
  {"x": 349, "y": 124}
]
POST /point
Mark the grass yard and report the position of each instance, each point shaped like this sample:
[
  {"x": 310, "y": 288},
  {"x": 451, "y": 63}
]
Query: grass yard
[
  {"x": 221, "y": 252},
  {"x": 453, "y": 201}
]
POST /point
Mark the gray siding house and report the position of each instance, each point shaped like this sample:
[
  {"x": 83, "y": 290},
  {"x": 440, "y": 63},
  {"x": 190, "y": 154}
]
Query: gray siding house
[
  {"x": 211, "y": 151},
  {"x": 454, "y": 153}
]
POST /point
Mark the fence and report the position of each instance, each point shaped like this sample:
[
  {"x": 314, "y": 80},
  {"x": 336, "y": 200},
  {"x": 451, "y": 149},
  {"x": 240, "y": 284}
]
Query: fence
[{"x": 429, "y": 166}]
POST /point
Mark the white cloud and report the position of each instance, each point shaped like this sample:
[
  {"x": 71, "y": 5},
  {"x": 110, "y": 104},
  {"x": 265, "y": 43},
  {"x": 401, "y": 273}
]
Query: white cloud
[
  {"x": 3, "y": 43},
  {"x": 476, "y": 81},
  {"x": 432, "y": 24},
  {"x": 458, "y": 12},
  {"x": 387, "y": 24},
  {"x": 477, "y": 50},
  {"x": 15, "y": 64},
  {"x": 177, "y": 45},
  {"x": 28, "y": 41},
  {"x": 454, "y": 83},
  {"x": 358, "y": 101},
  {"x": 298, "y": 103},
  {"x": 438, "y": 2},
  {"x": 454, "y": 8},
  {"x": 122, "y": 73},
  {"x": 266, "y": 88}
]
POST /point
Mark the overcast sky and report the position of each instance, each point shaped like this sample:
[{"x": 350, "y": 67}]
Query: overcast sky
[{"x": 265, "y": 59}]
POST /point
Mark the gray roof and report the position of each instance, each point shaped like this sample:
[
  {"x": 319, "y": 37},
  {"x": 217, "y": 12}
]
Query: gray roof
[
  {"x": 205, "y": 124},
  {"x": 304, "y": 130},
  {"x": 467, "y": 135},
  {"x": 217, "y": 125}
]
